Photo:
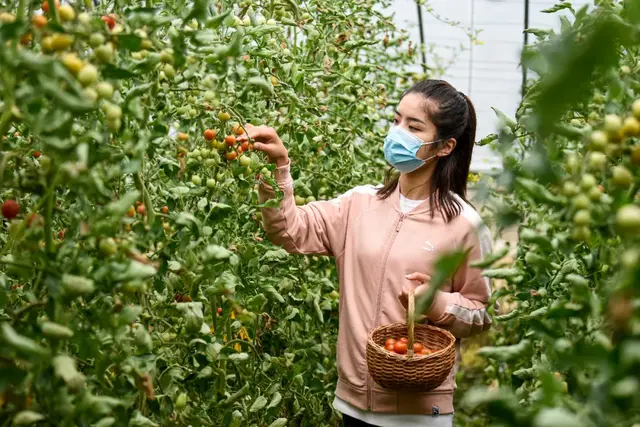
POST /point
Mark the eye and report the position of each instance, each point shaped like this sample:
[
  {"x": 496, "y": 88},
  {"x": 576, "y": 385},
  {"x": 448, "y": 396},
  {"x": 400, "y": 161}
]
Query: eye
[
  {"x": 395, "y": 121},
  {"x": 413, "y": 129}
]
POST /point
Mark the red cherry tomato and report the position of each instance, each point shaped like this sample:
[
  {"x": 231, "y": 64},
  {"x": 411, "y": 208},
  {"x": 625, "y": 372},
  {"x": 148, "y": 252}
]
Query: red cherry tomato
[
  {"x": 417, "y": 348},
  {"x": 400, "y": 347},
  {"x": 404, "y": 339},
  {"x": 109, "y": 20},
  {"x": 390, "y": 348},
  {"x": 390, "y": 341}
]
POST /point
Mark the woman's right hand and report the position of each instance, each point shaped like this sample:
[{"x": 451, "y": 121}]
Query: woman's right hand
[{"x": 266, "y": 140}]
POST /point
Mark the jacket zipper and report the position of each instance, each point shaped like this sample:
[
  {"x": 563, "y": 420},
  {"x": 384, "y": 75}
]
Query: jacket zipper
[{"x": 378, "y": 300}]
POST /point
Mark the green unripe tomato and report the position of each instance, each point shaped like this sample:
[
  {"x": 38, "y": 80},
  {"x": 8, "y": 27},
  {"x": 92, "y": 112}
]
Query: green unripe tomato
[
  {"x": 621, "y": 177},
  {"x": 588, "y": 181},
  {"x": 211, "y": 183},
  {"x": 196, "y": 180},
  {"x": 181, "y": 402},
  {"x": 569, "y": 189},
  {"x": 96, "y": 40},
  {"x": 597, "y": 160},
  {"x": 628, "y": 218},
  {"x": 595, "y": 194},
  {"x": 582, "y": 217},
  {"x": 108, "y": 246},
  {"x": 581, "y": 201},
  {"x": 599, "y": 140}
]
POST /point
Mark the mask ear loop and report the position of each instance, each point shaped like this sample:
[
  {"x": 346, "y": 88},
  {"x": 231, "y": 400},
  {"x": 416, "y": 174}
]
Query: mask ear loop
[{"x": 435, "y": 155}]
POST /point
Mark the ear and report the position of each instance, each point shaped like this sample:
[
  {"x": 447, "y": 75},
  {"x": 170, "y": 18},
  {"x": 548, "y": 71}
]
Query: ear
[{"x": 447, "y": 147}]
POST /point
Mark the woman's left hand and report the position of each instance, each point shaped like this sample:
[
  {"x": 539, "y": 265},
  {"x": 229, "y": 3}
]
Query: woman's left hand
[{"x": 417, "y": 290}]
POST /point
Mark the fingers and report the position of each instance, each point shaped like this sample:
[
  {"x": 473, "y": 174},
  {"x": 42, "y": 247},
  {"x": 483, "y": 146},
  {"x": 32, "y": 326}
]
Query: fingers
[{"x": 420, "y": 277}]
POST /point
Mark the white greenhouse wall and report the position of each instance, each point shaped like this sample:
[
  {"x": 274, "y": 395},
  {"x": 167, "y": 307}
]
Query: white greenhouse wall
[{"x": 489, "y": 72}]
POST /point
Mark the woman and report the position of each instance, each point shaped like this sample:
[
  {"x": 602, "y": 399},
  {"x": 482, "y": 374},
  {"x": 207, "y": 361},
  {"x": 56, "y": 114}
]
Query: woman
[{"x": 385, "y": 240}]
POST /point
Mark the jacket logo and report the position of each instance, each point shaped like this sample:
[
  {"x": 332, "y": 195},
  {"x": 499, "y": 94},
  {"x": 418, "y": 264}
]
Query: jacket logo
[{"x": 428, "y": 246}]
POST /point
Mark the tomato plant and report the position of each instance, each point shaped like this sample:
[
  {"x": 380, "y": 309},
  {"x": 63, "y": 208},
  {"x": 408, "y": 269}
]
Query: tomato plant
[
  {"x": 175, "y": 310},
  {"x": 564, "y": 349}
]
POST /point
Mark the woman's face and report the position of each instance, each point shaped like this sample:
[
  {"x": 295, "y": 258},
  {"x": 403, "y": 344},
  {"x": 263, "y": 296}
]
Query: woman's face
[{"x": 411, "y": 114}]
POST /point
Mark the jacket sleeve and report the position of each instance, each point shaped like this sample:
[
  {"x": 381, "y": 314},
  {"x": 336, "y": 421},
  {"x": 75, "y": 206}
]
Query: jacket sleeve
[
  {"x": 315, "y": 228},
  {"x": 463, "y": 311}
]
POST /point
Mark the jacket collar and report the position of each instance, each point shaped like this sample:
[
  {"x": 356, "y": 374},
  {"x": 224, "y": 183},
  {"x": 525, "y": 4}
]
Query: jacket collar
[{"x": 422, "y": 208}]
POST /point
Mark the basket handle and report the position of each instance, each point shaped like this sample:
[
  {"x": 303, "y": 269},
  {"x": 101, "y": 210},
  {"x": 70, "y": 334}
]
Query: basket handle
[{"x": 411, "y": 307}]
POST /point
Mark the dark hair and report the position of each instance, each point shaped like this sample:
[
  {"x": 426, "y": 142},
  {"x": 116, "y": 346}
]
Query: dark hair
[{"x": 454, "y": 117}]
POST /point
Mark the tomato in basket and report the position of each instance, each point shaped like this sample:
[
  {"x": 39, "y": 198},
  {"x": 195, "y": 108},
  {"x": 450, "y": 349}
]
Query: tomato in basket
[{"x": 400, "y": 347}]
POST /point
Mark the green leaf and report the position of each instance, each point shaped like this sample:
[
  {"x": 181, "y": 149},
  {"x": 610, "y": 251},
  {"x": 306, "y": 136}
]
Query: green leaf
[
  {"x": 139, "y": 420},
  {"x": 130, "y": 42},
  {"x": 487, "y": 139},
  {"x": 216, "y": 252},
  {"x": 238, "y": 357},
  {"x": 25, "y": 418},
  {"x": 137, "y": 271},
  {"x": 77, "y": 285},
  {"x": 280, "y": 422},
  {"x": 256, "y": 302},
  {"x": 258, "y": 404},
  {"x": 445, "y": 267},
  {"x": 65, "y": 368},
  {"x": 275, "y": 400},
  {"x": 504, "y": 120},
  {"x": 558, "y": 7},
  {"x": 20, "y": 343},
  {"x": 54, "y": 330}
]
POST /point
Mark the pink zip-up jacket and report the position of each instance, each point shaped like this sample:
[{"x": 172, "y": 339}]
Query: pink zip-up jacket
[{"x": 375, "y": 246}]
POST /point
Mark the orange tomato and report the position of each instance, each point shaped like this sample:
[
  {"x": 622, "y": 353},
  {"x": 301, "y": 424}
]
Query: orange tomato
[
  {"x": 39, "y": 21},
  {"x": 404, "y": 339},
  {"x": 231, "y": 155},
  {"x": 165, "y": 209},
  {"x": 209, "y": 134},
  {"x": 237, "y": 129},
  {"x": 230, "y": 140},
  {"x": 390, "y": 348},
  {"x": 45, "y": 5},
  {"x": 417, "y": 348},
  {"x": 390, "y": 341}
]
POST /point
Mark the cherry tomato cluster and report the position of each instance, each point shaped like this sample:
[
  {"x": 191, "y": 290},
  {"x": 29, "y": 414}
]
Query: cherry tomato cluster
[
  {"x": 230, "y": 144},
  {"x": 401, "y": 346}
]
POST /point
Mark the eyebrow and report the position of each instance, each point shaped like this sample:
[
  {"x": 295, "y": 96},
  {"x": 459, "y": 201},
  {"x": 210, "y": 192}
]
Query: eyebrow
[{"x": 411, "y": 119}]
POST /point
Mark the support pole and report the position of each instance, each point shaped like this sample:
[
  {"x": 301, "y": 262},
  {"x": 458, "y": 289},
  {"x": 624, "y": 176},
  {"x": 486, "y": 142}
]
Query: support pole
[
  {"x": 525, "y": 43},
  {"x": 422, "y": 45}
]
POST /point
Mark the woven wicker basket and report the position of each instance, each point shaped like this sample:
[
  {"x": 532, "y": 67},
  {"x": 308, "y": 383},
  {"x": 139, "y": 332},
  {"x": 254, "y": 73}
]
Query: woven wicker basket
[{"x": 410, "y": 371}]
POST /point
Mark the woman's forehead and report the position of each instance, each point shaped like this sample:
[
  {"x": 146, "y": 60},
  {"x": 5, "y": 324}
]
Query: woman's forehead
[{"x": 416, "y": 106}]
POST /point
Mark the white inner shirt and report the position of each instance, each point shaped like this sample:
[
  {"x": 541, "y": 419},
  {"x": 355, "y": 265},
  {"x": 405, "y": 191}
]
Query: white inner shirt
[{"x": 407, "y": 205}]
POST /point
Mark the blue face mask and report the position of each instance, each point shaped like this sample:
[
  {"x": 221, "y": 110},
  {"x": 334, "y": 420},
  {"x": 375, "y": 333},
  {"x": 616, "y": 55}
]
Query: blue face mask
[{"x": 401, "y": 147}]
